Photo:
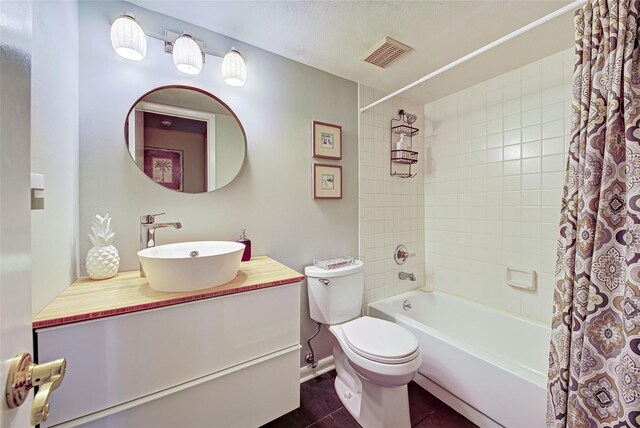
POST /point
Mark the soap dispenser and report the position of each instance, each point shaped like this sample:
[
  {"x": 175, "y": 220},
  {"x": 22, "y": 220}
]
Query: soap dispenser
[{"x": 246, "y": 256}]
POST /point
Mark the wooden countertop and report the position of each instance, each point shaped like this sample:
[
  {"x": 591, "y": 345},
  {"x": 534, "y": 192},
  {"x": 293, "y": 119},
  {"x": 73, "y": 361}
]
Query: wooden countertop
[{"x": 127, "y": 292}]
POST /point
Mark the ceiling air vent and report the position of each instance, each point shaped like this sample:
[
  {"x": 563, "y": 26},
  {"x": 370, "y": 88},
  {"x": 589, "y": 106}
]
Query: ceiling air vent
[{"x": 385, "y": 52}]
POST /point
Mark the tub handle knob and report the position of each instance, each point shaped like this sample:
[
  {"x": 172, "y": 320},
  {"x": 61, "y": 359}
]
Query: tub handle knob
[
  {"x": 324, "y": 281},
  {"x": 402, "y": 254},
  {"x": 406, "y": 305}
]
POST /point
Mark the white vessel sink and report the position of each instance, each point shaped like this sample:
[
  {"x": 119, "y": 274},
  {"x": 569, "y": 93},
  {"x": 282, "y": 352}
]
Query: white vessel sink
[{"x": 191, "y": 266}]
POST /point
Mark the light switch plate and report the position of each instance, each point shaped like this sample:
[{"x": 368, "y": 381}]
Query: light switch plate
[{"x": 37, "y": 181}]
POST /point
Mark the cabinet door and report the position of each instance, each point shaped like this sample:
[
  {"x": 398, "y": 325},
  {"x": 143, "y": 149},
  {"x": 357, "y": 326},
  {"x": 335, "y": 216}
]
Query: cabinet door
[
  {"x": 118, "y": 359},
  {"x": 246, "y": 398}
]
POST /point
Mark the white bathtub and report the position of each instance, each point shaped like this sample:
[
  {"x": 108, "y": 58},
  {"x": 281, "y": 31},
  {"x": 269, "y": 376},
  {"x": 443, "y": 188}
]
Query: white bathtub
[{"x": 476, "y": 358}]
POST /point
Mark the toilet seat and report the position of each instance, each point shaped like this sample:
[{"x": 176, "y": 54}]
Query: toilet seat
[
  {"x": 380, "y": 341},
  {"x": 393, "y": 373}
]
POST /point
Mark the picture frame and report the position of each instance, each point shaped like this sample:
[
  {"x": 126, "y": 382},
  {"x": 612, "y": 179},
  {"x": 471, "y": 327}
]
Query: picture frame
[
  {"x": 165, "y": 167},
  {"x": 327, "y": 140},
  {"x": 327, "y": 181}
]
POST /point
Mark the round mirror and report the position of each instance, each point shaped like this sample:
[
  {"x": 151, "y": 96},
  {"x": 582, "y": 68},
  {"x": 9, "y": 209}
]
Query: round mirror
[{"x": 185, "y": 139}]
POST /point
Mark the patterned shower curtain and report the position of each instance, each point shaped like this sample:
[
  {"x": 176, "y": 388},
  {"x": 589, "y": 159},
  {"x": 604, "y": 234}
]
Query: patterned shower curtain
[{"x": 594, "y": 361}]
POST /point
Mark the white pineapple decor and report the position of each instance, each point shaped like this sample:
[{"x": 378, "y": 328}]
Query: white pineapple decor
[{"x": 103, "y": 260}]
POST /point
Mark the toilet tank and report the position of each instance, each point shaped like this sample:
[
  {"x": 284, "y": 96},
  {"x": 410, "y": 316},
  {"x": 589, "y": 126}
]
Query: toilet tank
[{"x": 335, "y": 295}]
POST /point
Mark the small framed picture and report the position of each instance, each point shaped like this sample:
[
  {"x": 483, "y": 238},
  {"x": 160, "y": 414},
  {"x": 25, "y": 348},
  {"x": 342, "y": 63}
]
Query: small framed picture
[
  {"x": 327, "y": 140},
  {"x": 165, "y": 167},
  {"x": 327, "y": 181}
]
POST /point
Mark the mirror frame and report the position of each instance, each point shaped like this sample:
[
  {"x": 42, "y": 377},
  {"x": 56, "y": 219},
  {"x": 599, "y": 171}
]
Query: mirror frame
[{"x": 192, "y": 88}]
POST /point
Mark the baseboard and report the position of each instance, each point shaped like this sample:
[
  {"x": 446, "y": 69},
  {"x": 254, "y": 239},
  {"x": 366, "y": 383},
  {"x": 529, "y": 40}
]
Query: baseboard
[
  {"x": 469, "y": 412},
  {"x": 324, "y": 365}
]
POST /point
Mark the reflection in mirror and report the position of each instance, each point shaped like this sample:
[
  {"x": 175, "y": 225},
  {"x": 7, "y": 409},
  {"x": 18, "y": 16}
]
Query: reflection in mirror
[{"x": 185, "y": 139}]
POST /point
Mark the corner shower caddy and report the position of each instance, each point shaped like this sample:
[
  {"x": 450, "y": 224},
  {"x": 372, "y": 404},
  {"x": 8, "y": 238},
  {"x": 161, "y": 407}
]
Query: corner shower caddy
[{"x": 404, "y": 157}]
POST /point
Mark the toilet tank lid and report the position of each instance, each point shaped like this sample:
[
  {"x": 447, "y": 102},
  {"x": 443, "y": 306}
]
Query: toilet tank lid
[{"x": 317, "y": 272}]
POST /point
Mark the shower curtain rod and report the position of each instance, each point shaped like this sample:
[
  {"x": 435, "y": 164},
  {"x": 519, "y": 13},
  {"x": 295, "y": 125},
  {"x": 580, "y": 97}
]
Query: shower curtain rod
[{"x": 568, "y": 8}]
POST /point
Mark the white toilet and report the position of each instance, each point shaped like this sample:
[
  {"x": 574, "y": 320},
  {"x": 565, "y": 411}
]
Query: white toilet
[{"x": 375, "y": 359}]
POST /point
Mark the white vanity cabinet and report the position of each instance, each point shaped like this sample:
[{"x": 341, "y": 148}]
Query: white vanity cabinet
[{"x": 228, "y": 361}]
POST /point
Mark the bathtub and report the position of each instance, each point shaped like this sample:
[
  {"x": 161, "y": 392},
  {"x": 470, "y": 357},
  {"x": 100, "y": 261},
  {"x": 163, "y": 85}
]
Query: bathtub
[{"x": 488, "y": 364}]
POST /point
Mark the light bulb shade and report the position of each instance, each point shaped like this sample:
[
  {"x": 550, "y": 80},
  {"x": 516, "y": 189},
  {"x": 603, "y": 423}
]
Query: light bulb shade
[
  {"x": 187, "y": 56},
  {"x": 234, "y": 69},
  {"x": 128, "y": 39}
]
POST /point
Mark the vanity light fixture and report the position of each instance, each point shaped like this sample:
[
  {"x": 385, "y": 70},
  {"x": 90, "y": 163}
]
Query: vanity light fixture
[
  {"x": 130, "y": 41},
  {"x": 128, "y": 38},
  {"x": 187, "y": 56},
  {"x": 234, "y": 69}
]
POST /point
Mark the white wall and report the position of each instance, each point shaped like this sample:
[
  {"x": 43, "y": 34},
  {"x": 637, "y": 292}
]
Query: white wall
[
  {"x": 229, "y": 148},
  {"x": 496, "y": 158},
  {"x": 271, "y": 197},
  {"x": 391, "y": 208},
  {"x": 54, "y": 148}
]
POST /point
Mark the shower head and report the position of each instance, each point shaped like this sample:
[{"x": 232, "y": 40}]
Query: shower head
[{"x": 407, "y": 117}]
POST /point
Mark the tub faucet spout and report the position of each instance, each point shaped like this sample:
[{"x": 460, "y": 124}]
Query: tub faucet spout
[{"x": 407, "y": 275}]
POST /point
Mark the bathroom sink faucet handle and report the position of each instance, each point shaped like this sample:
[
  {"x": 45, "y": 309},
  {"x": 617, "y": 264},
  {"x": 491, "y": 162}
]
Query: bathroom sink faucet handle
[{"x": 149, "y": 218}]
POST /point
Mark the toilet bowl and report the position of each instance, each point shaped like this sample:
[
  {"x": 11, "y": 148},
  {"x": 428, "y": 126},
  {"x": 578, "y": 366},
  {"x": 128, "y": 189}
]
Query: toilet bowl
[
  {"x": 375, "y": 359},
  {"x": 372, "y": 379}
]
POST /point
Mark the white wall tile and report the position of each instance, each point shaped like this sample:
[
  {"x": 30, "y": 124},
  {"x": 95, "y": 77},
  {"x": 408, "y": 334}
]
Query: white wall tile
[
  {"x": 494, "y": 125},
  {"x": 553, "y": 129},
  {"x": 530, "y": 181},
  {"x": 511, "y": 106},
  {"x": 511, "y": 152},
  {"x": 531, "y": 198},
  {"x": 531, "y": 117},
  {"x": 494, "y": 112},
  {"x": 553, "y": 163},
  {"x": 494, "y": 140},
  {"x": 531, "y": 85},
  {"x": 494, "y": 96},
  {"x": 511, "y": 137},
  {"x": 393, "y": 209},
  {"x": 512, "y": 122},
  {"x": 531, "y": 70},
  {"x": 531, "y": 149},
  {"x": 552, "y": 95},
  {"x": 531, "y": 165},
  {"x": 511, "y": 182},
  {"x": 511, "y": 90},
  {"x": 553, "y": 146},
  {"x": 494, "y": 155},
  {"x": 531, "y": 101},
  {"x": 531, "y": 133},
  {"x": 553, "y": 111},
  {"x": 494, "y": 201}
]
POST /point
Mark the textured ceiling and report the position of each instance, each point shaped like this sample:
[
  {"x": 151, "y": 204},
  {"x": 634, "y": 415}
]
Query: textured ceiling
[{"x": 332, "y": 35}]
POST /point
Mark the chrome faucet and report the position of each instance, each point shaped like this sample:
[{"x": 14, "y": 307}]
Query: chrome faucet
[
  {"x": 148, "y": 230},
  {"x": 407, "y": 275}
]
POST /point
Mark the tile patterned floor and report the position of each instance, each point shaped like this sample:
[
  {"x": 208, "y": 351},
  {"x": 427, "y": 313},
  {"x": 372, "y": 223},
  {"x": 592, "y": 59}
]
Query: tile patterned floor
[{"x": 320, "y": 407}]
